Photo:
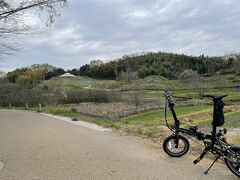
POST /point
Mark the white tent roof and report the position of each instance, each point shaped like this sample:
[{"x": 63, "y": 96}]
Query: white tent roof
[{"x": 67, "y": 75}]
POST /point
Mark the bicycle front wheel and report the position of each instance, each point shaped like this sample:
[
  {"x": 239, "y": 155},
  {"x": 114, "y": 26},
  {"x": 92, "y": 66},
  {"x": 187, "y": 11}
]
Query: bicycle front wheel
[{"x": 176, "y": 145}]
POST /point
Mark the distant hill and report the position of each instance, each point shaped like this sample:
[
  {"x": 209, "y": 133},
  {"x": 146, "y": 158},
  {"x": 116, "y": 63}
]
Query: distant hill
[
  {"x": 132, "y": 67},
  {"x": 168, "y": 65}
]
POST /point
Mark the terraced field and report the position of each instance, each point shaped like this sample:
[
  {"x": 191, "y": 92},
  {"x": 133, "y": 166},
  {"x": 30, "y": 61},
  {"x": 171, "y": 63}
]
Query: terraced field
[{"x": 151, "y": 90}]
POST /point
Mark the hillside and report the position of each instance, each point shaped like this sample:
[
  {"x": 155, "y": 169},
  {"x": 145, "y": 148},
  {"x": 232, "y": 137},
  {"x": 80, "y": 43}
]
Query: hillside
[
  {"x": 70, "y": 83},
  {"x": 147, "y": 83},
  {"x": 131, "y": 67},
  {"x": 153, "y": 86},
  {"x": 168, "y": 65}
]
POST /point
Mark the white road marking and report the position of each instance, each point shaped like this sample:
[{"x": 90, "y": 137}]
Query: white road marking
[{"x": 79, "y": 123}]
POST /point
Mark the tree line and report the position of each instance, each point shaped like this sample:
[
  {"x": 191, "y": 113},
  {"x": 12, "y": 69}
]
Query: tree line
[
  {"x": 168, "y": 65},
  {"x": 30, "y": 76}
]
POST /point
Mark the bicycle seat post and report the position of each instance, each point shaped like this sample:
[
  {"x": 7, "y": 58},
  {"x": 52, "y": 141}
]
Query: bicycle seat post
[{"x": 218, "y": 114}]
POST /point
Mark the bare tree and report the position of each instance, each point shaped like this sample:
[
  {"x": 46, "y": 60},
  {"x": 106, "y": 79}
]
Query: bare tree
[
  {"x": 236, "y": 57},
  {"x": 137, "y": 99},
  {"x": 192, "y": 79},
  {"x": 128, "y": 76},
  {"x": 12, "y": 22}
]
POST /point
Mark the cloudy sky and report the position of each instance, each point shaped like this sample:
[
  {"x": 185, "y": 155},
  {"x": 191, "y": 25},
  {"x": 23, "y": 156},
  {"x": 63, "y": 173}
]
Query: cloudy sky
[{"x": 108, "y": 29}]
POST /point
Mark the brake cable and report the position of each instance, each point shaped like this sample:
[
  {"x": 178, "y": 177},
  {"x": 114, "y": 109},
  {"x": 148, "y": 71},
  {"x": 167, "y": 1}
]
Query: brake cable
[
  {"x": 193, "y": 139},
  {"x": 166, "y": 105}
]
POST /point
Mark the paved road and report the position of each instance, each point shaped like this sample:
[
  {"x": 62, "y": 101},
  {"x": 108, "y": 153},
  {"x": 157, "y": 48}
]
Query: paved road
[{"x": 37, "y": 147}]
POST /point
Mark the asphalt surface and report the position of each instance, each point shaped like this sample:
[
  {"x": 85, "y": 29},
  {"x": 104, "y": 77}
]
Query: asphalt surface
[{"x": 38, "y": 147}]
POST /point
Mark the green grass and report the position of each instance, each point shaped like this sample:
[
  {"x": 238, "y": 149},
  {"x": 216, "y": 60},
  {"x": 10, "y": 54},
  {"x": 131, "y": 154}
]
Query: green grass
[
  {"x": 231, "y": 120},
  {"x": 151, "y": 132},
  {"x": 66, "y": 112},
  {"x": 81, "y": 83},
  {"x": 150, "y": 118},
  {"x": 148, "y": 83},
  {"x": 60, "y": 110},
  {"x": 153, "y": 83}
]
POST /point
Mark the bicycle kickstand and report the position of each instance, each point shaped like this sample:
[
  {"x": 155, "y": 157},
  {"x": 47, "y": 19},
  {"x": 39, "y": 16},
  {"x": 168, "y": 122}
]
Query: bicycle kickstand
[
  {"x": 201, "y": 156},
  {"x": 212, "y": 164}
]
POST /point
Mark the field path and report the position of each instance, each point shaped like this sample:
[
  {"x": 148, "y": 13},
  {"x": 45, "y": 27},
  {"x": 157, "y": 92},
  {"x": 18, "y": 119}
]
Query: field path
[{"x": 37, "y": 147}]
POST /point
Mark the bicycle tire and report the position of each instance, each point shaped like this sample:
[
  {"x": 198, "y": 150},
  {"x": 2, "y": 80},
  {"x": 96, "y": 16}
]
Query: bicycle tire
[
  {"x": 231, "y": 165},
  {"x": 172, "y": 138}
]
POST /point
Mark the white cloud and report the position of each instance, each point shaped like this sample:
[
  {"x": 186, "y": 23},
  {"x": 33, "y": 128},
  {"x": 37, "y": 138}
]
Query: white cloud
[
  {"x": 91, "y": 29},
  {"x": 192, "y": 13},
  {"x": 138, "y": 13}
]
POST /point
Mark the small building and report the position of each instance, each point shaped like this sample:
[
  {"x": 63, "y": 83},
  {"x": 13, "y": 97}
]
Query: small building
[{"x": 67, "y": 75}]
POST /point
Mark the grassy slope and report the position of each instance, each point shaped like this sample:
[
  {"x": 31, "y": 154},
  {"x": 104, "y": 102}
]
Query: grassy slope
[
  {"x": 153, "y": 86},
  {"x": 156, "y": 117},
  {"x": 148, "y": 83},
  {"x": 81, "y": 83}
]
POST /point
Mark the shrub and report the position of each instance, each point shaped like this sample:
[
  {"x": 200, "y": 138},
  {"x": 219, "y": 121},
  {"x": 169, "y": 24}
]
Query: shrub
[{"x": 187, "y": 74}]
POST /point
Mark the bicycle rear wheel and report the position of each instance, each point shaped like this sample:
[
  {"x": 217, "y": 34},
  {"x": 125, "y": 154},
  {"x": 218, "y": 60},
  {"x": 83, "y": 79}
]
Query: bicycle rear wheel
[
  {"x": 232, "y": 161},
  {"x": 176, "y": 145}
]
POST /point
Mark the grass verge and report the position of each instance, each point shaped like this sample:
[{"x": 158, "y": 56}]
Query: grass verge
[{"x": 148, "y": 125}]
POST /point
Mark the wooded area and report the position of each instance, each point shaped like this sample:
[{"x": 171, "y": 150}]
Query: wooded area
[
  {"x": 129, "y": 67},
  {"x": 168, "y": 65}
]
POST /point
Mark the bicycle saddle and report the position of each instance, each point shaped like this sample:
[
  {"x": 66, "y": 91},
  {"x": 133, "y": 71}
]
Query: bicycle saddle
[{"x": 216, "y": 96}]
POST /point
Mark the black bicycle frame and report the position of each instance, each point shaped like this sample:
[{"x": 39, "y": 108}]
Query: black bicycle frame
[
  {"x": 177, "y": 128},
  {"x": 212, "y": 142}
]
